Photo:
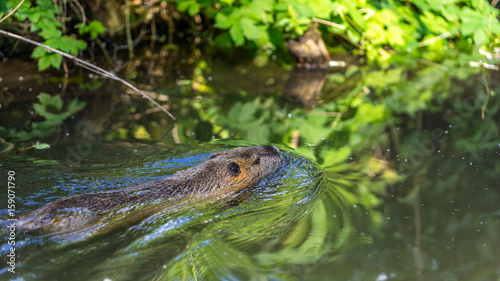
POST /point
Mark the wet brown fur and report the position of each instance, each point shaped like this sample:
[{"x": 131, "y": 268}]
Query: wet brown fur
[{"x": 212, "y": 176}]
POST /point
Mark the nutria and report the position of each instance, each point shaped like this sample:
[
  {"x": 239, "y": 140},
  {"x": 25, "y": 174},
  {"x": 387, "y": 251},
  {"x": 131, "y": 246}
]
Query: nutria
[{"x": 224, "y": 172}]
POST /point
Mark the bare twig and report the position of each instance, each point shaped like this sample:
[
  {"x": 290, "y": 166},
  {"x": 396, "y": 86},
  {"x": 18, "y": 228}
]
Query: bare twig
[
  {"x": 82, "y": 11},
  {"x": 128, "y": 32},
  {"x": 329, "y": 23},
  {"x": 430, "y": 63},
  {"x": 13, "y": 11},
  {"x": 434, "y": 39},
  {"x": 88, "y": 66},
  {"x": 369, "y": 13},
  {"x": 9, "y": 147},
  {"x": 488, "y": 94}
]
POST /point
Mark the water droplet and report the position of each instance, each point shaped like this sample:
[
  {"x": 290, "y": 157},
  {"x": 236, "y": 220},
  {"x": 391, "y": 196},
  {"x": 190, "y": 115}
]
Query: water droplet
[{"x": 382, "y": 277}]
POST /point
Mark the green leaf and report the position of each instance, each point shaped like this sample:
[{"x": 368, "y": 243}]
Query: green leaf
[
  {"x": 50, "y": 33},
  {"x": 481, "y": 38},
  {"x": 222, "y": 21},
  {"x": 75, "y": 106},
  {"x": 47, "y": 100},
  {"x": 45, "y": 23},
  {"x": 46, "y": 61},
  {"x": 435, "y": 23},
  {"x": 250, "y": 30},
  {"x": 95, "y": 28},
  {"x": 395, "y": 35},
  {"x": 332, "y": 157},
  {"x": 472, "y": 21},
  {"x": 38, "y": 52},
  {"x": 261, "y": 59},
  {"x": 247, "y": 112},
  {"x": 182, "y": 6},
  {"x": 223, "y": 41},
  {"x": 67, "y": 44},
  {"x": 237, "y": 34},
  {"x": 193, "y": 9},
  {"x": 276, "y": 37},
  {"x": 40, "y": 109},
  {"x": 41, "y": 145}
]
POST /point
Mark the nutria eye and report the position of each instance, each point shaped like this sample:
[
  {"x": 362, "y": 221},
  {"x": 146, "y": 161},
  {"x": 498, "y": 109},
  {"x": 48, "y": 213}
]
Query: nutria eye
[
  {"x": 233, "y": 168},
  {"x": 257, "y": 161},
  {"x": 215, "y": 155}
]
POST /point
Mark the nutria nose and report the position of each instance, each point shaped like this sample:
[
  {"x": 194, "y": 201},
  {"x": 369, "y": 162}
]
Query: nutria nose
[{"x": 276, "y": 149}]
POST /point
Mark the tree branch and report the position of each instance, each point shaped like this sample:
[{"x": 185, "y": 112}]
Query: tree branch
[
  {"x": 88, "y": 66},
  {"x": 13, "y": 11}
]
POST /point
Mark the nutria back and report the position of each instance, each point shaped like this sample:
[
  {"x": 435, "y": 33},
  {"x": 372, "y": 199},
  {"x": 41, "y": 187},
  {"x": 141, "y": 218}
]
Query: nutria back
[{"x": 224, "y": 172}]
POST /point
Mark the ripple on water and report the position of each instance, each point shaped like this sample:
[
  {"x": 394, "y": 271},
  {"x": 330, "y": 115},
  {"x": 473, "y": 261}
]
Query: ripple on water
[{"x": 284, "y": 220}]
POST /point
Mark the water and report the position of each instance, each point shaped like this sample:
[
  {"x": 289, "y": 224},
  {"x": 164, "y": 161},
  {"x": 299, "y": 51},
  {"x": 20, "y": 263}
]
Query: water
[
  {"x": 390, "y": 174},
  {"x": 285, "y": 217}
]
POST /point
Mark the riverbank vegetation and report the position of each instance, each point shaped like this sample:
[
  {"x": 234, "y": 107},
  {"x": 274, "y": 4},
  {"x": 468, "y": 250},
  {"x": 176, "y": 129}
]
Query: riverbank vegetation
[{"x": 380, "y": 31}]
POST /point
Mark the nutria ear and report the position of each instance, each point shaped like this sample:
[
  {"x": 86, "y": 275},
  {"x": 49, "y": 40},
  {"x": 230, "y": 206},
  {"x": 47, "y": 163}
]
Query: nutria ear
[
  {"x": 233, "y": 168},
  {"x": 215, "y": 155}
]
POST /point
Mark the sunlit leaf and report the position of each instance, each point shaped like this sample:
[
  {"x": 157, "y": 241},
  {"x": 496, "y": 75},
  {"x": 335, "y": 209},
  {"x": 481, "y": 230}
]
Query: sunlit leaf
[{"x": 237, "y": 34}]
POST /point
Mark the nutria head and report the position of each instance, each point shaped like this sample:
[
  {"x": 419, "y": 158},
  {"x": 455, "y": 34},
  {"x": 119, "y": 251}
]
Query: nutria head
[
  {"x": 224, "y": 172},
  {"x": 236, "y": 168}
]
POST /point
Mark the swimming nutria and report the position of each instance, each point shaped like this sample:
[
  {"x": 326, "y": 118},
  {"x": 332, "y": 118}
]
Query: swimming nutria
[{"x": 223, "y": 172}]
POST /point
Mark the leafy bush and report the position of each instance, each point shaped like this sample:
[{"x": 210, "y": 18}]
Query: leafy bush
[
  {"x": 375, "y": 28},
  {"x": 52, "y": 109},
  {"x": 43, "y": 20}
]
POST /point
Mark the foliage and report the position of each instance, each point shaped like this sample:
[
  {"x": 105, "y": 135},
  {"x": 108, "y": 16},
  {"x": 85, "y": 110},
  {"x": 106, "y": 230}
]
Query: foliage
[
  {"x": 52, "y": 110},
  {"x": 382, "y": 166},
  {"x": 377, "y": 29},
  {"x": 43, "y": 19},
  {"x": 94, "y": 28}
]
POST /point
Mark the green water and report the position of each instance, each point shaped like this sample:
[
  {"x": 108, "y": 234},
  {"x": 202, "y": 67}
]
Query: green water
[
  {"x": 292, "y": 217},
  {"x": 390, "y": 174}
]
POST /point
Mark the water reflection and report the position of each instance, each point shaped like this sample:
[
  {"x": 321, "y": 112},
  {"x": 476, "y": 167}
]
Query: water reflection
[
  {"x": 294, "y": 218},
  {"x": 407, "y": 190}
]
